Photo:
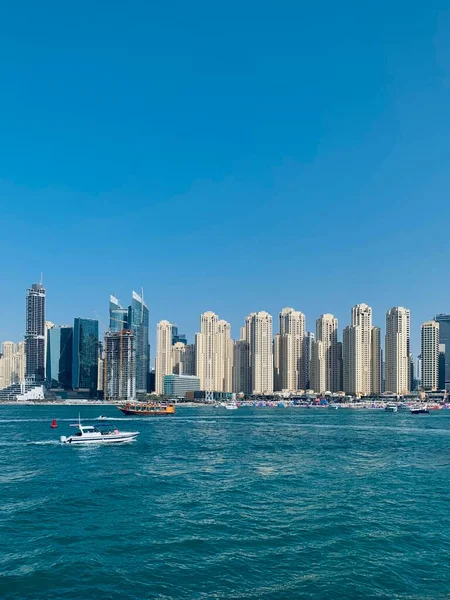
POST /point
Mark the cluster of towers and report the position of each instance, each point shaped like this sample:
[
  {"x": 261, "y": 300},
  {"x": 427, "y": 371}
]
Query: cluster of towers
[{"x": 295, "y": 359}]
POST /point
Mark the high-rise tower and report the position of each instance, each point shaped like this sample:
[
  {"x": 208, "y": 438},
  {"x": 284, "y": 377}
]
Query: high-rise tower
[
  {"x": 397, "y": 350},
  {"x": 35, "y": 333},
  {"x": 430, "y": 355}
]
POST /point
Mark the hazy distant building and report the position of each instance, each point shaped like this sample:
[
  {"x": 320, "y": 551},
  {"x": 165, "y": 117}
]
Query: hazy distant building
[
  {"x": 35, "y": 333},
  {"x": 119, "y": 365},
  {"x": 241, "y": 367},
  {"x": 189, "y": 360},
  {"x": 430, "y": 355},
  {"x": 308, "y": 344},
  {"x": 85, "y": 355},
  {"x": 444, "y": 339},
  {"x": 58, "y": 371},
  {"x": 178, "y": 337},
  {"x": 441, "y": 366},
  {"x": 376, "y": 354}
]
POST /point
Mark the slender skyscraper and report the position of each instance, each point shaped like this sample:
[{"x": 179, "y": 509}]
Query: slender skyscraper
[
  {"x": 35, "y": 333},
  {"x": 138, "y": 322},
  {"x": 259, "y": 327},
  {"x": 290, "y": 369},
  {"x": 326, "y": 333},
  {"x": 444, "y": 339},
  {"x": 214, "y": 354},
  {"x": 85, "y": 355},
  {"x": 430, "y": 355},
  {"x": 397, "y": 352},
  {"x": 164, "y": 356},
  {"x": 376, "y": 360},
  {"x": 357, "y": 352},
  {"x": 58, "y": 372}
]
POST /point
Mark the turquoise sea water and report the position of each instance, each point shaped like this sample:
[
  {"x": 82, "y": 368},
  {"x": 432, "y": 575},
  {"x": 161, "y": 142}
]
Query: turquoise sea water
[{"x": 254, "y": 503}]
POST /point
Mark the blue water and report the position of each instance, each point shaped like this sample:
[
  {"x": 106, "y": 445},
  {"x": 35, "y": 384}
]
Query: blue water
[{"x": 255, "y": 503}]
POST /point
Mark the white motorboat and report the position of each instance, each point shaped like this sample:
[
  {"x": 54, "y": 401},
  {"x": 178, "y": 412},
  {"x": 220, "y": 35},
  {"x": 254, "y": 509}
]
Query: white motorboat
[
  {"x": 391, "y": 408},
  {"x": 231, "y": 406},
  {"x": 88, "y": 434},
  {"x": 102, "y": 418}
]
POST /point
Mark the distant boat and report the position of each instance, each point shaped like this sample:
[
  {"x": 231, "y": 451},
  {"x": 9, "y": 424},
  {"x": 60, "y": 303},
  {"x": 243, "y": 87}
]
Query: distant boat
[
  {"x": 102, "y": 418},
  {"x": 419, "y": 410},
  {"x": 391, "y": 408},
  {"x": 231, "y": 406}
]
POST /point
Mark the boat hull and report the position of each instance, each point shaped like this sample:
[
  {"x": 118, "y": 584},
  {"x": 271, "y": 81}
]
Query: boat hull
[
  {"x": 147, "y": 410},
  {"x": 120, "y": 438}
]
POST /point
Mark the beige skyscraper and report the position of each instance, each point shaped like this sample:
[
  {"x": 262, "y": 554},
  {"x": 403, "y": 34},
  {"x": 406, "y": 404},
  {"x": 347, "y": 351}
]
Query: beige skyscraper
[
  {"x": 259, "y": 332},
  {"x": 376, "y": 360},
  {"x": 224, "y": 357},
  {"x": 214, "y": 354},
  {"x": 164, "y": 357},
  {"x": 430, "y": 355},
  {"x": 357, "y": 352},
  {"x": 289, "y": 351},
  {"x": 178, "y": 351},
  {"x": 326, "y": 333},
  {"x": 397, "y": 344},
  {"x": 8, "y": 350}
]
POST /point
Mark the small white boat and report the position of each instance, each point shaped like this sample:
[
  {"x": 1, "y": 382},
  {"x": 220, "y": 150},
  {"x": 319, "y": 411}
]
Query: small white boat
[
  {"x": 231, "y": 406},
  {"x": 102, "y": 418},
  {"x": 391, "y": 408},
  {"x": 419, "y": 410},
  {"x": 88, "y": 434}
]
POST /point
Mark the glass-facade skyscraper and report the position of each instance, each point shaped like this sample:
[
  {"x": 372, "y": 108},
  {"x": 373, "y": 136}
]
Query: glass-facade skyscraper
[
  {"x": 138, "y": 322},
  {"x": 35, "y": 333},
  {"x": 178, "y": 337},
  {"x": 58, "y": 372},
  {"x": 85, "y": 354},
  {"x": 444, "y": 338},
  {"x": 118, "y": 316},
  {"x": 134, "y": 318}
]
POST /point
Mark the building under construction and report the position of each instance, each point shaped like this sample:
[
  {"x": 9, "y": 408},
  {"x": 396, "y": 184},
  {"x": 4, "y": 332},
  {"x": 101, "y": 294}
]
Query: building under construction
[{"x": 119, "y": 365}]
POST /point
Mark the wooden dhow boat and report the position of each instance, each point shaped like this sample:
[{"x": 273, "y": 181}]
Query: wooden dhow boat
[{"x": 149, "y": 409}]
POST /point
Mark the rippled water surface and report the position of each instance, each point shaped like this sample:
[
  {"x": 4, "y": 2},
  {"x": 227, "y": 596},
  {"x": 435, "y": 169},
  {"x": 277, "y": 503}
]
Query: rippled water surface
[{"x": 254, "y": 503}]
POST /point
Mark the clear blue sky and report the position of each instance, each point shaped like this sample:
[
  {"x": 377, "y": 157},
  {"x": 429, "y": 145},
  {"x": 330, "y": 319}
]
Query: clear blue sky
[{"x": 233, "y": 157}]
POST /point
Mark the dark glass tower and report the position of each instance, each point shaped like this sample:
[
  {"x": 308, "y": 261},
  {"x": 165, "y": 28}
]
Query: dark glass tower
[
  {"x": 35, "y": 333},
  {"x": 178, "y": 337},
  {"x": 85, "y": 355},
  {"x": 138, "y": 322},
  {"x": 444, "y": 338},
  {"x": 58, "y": 372},
  {"x": 118, "y": 316}
]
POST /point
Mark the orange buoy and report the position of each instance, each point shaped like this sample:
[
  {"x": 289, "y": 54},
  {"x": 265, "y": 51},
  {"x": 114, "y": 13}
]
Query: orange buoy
[{"x": 54, "y": 425}]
